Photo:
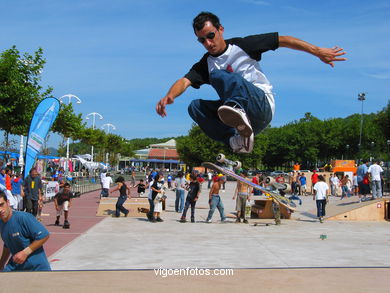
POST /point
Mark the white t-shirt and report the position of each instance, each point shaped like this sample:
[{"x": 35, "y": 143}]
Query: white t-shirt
[
  {"x": 320, "y": 187},
  {"x": 180, "y": 183},
  {"x": 335, "y": 180},
  {"x": 375, "y": 170},
  {"x": 106, "y": 181}
]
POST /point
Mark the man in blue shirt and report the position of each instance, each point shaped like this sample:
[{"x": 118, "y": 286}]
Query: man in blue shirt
[
  {"x": 361, "y": 172},
  {"x": 23, "y": 238}
]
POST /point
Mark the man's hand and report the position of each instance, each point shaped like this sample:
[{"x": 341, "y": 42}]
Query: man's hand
[
  {"x": 20, "y": 257},
  {"x": 329, "y": 55},
  {"x": 176, "y": 90},
  {"x": 160, "y": 107}
]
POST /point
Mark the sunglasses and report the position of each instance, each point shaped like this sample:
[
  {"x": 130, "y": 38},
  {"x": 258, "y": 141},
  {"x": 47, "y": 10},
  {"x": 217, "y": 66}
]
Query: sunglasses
[{"x": 209, "y": 36}]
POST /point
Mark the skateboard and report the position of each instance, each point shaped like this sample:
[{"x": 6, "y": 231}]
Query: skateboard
[{"x": 277, "y": 197}]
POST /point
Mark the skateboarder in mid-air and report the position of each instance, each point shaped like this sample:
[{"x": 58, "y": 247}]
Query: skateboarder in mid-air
[{"x": 246, "y": 105}]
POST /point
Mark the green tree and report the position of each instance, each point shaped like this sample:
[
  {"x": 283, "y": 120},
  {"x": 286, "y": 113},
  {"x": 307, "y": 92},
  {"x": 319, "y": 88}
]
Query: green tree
[{"x": 20, "y": 89}]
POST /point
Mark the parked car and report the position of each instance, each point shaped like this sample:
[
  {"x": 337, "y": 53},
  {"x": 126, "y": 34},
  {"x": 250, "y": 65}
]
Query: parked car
[{"x": 278, "y": 172}]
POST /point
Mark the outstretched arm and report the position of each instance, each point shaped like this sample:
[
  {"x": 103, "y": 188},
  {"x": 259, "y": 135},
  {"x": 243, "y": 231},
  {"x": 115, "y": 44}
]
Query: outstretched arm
[
  {"x": 176, "y": 90},
  {"x": 326, "y": 55}
]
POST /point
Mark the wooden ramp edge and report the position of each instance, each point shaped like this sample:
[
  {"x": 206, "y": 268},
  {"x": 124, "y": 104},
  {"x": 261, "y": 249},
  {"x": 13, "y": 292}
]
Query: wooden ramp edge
[
  {"x": 352, "y": 210},
  {"x": 107, "y": 206}
]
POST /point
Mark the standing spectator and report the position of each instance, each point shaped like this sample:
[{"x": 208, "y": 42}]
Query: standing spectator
[
  {"x": 157, "y": 193},
  {"x": 361, "y": 172},
  {"x": 258, "y": 181},
  {"x": 180, "y": 183},
  {"x": 17, "y": 190},
  {"x": 209, "y": 179},
  {"x": 365, "y": 187},
  {"x": 355, "y": 184},
  {"x": 320, "y": 196},
  {"x": 62, "y": 203},
  {"x": 302, "y": 183},
  {"x": 334, "y": 184},
  {"x": 346, "y": 186},
  {"x": 124, "y": 194},
  {"x": 169, "y": 179},
  {"x": 192, "y": 196},
  {"x": 215, "y": 200},
  {"x": 106, "y": 182},
  {"x": 102, "y": 176},
  {"x": 33, "y": 195},
  {"x": 242, "y": 193},
  {"x": 314, "y": 180},
  {"x": 132, "y": 178},
  {"x": 375, "y": 177},
  {"x": 24, "y": 251}
]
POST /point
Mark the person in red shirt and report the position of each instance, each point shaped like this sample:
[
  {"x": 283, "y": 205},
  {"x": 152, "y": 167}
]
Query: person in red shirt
[
  {"x": 8, "y": 173},
  {"x": 257, "y": 180},
  {"x": 314, "y": 180}
]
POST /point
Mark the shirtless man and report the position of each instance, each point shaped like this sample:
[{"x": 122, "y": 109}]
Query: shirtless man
[
  {"x": 242, "y": 193},
  {"x": 215, "y": 200}
]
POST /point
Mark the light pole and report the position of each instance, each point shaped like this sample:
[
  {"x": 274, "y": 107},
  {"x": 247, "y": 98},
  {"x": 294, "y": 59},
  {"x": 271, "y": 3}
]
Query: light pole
[
  {"x": 78, "y": 101},
  {"x": 361, "y": 97},
  {"x": 108, "y": 125},
  {"x": 93, "y": 114},
  {"x": 21, "y": 159},
  {"x": 347, "y": 150}
]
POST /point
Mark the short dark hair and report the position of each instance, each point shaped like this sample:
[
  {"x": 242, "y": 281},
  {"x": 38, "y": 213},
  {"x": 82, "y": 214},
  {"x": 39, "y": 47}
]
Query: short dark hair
[
  {"x": 119, "y": 179},
  {"x": 3, "y": 195},
  {"x": 321, "y": 178},
  {"x": 201, "y": 18},
  {"x": 66, "y": 184}
]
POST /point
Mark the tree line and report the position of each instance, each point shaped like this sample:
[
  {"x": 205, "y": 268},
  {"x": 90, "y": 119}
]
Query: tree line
[{"x": 310, "y": 141}]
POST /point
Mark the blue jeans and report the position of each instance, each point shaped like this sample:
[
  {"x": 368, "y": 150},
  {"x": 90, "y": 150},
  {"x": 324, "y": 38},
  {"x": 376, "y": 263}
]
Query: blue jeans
[
  {"x": 119, "y": 206},
  {"x": 216, "y": 202},
  {"x": 151, "y": 209},
  {"x": 230, "y": 87},
  {"x": 179, "y": 202},
  {"x": 189, "y": 203},
  {"x": 321, "y": 203}
]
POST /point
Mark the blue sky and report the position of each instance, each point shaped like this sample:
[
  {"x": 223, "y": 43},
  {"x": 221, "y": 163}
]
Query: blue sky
[{"x": 120, "y": 57}]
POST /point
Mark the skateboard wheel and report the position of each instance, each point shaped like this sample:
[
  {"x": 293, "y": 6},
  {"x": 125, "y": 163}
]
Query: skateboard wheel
[
  {"x": 237, "y": 164},
  {"x": 221, "y": 158}
]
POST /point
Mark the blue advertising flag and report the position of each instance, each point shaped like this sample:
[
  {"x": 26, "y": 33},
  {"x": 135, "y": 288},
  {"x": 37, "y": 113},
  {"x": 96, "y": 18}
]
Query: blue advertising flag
[{"x": 44, "y": 116}]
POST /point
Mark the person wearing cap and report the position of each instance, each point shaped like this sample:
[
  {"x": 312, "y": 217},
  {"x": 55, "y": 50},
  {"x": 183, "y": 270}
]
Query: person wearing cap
[{"x": 215, "y": 200}]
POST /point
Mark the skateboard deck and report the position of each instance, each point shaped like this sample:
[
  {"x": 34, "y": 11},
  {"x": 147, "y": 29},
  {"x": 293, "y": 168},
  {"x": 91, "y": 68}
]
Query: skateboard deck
[{"x": 280, "y": 199}]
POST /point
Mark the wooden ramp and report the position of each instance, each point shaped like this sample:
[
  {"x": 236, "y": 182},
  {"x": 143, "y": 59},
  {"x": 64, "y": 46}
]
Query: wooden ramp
[
  {"x": 107, "y": 206},
  {"x": 351, "y": 209}
]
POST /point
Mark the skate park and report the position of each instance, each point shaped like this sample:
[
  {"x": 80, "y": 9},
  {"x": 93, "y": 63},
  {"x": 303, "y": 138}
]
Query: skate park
[{"x": 105, "y": 249}]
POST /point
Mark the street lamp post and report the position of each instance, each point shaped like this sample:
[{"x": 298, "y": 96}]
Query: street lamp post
[
  {"x": 347, "y": 151},
  {"x": 108, "y": 125},
  {"x": 361, "y": 97},
  {"x": 93, "y": 114},
  {"x": 78, "y": 101}
]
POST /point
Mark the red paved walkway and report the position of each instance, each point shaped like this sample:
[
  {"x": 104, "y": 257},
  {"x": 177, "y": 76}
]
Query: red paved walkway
[{"x": 82, "y": 217}]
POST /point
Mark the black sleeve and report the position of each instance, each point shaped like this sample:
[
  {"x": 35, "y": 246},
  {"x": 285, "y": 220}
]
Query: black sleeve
[
  {"x": 255, "y": 45},
  {"x": 199, "y": 73}
]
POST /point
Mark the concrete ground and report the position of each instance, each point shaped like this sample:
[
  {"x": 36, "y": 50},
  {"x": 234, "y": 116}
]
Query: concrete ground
[{"x": 353, "y": 257}]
